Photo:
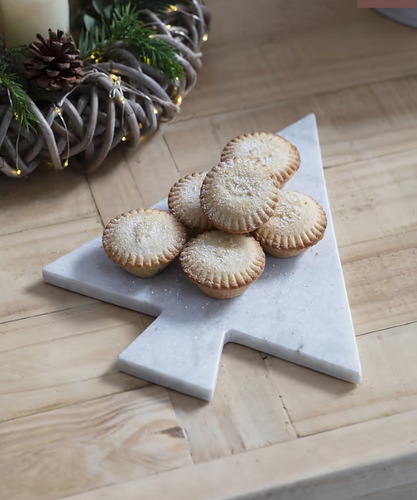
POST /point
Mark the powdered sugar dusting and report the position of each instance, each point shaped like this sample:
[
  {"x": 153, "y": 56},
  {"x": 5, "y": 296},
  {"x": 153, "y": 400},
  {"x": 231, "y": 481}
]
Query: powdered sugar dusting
[
  {"x": 146, "y": 234},
  {"x": 272, "y": 150},
  {"x": 186, "y": 204},
  {"x": 239, "y": 189},
  {"x": 295, "y": 214},
  {"x": 290, "y": 211},
  {"x": 217, "y": 253}
]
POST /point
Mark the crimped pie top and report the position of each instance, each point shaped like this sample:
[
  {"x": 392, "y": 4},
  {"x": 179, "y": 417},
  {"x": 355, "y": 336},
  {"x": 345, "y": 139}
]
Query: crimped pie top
[
  {"x": 298, "y": 222},
  {"x": 144, "y": 238},
  {"x": 220, "y": 260},
  {"x": 273, "y": 150},
  {"x": 239, "y": 195},
  {"x": 184, "y": 202}
]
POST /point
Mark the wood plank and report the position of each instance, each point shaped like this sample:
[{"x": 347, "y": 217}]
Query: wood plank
[
  {"x": 369, "y": 121},
  {"x": 317, "y": 403},
  {"x": 384, "y": 117},
  {"x": 380, "y": 277},
  {"x": 349, "y": 463},
  {"x": 90, "y": 445},
  {"x": 65, "y": 358},
  {"x": 246, "y": 411},
  {"x": 401, "y": 493},
  {"x": 49, "y": 197},
  {"x": 114, "y": 188},
  {"x": 283, "y": 65},
  {"x": 134, "y": 178},
  {"x": 373, "y": 198},
  {"x": 24, "y": 254},
  {"x": 193, "y": 145},
  {"x": 153, "y": 169},
  {"x": 271, "y": 18}
]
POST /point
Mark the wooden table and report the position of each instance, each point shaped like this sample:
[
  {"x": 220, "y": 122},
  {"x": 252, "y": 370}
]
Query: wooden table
[{"x": 74, "y": 427}]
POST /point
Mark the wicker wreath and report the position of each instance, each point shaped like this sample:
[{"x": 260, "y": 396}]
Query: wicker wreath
[{"x": 118, "y": 100}]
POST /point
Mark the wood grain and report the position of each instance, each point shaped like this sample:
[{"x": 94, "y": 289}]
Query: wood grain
[
  {"x": 193, "y": 145},
  {"x": 374, "y": 198},
  {"x": 271, "y": 18},
  {"x": 65, "y": 358},
  {"x": 355, "y": 124},
  {"x": 134, "y": 178},
  {"x": 24, "y": 255},
  {"x": 153, "y": 169},
  {"x": 90, "y": 445},
  {"x": 349, "y": 463},
  {"x": 114, "y": 188},
  {"x": 368, "y": 121},
  {"x": 380, "y": 277},
  {"x": 401, "y": 493},
  {"x": 318, "y": 58},
  {"x": 318, "y": 403},
  {"x": 49, "y": 197},
  {"x": 81, "y": 435},
  {"x": 246, "y": 411}
]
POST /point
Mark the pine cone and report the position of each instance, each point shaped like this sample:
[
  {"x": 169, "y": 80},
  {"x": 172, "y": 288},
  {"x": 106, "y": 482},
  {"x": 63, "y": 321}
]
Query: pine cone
[{"x": 55, "y": 64}]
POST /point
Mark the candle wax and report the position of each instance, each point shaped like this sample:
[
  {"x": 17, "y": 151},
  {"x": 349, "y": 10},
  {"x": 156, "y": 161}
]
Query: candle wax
[{"x": 24, "y": 19}]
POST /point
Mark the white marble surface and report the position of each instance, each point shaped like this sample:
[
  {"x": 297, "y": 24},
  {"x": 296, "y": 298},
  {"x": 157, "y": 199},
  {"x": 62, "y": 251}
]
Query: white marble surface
[{"x": 298, "y": 310}]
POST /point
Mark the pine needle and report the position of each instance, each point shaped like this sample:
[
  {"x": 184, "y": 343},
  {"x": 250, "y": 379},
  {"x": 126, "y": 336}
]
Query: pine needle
[
  {"x": 156, "y": 6},
  {"x": 21, "y": 105},
  {"x": 127, "y": 27},
  {"x": 155, "y": 51}
]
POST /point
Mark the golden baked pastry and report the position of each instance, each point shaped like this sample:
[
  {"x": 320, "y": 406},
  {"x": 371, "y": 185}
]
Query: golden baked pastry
[
  {"x": 184, "y": 202},
  {"x": 239, "y": 195},
  {"x": 223, "y": 265},
  {"x": 273, "y": 150},
  {"x": 299, "y": 223},
  {"x": 144, "y": 241}
]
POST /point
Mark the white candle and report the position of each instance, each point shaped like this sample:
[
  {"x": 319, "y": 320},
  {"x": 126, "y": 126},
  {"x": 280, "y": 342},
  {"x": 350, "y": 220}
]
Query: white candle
[{"x": 23, "y": 19}]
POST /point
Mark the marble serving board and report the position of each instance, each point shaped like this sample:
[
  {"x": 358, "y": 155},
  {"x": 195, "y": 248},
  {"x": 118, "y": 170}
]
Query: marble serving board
[{"x": 297, "y": 310}]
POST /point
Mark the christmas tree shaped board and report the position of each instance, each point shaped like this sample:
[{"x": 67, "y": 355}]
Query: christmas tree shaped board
[{"x": 298, "y": 309}]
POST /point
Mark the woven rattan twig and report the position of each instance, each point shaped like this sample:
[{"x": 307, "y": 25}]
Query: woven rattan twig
[{"x": 102, "y": 111}]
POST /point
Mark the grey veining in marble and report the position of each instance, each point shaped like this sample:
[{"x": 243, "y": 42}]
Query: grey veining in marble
[{"x": 298, "y": 310}]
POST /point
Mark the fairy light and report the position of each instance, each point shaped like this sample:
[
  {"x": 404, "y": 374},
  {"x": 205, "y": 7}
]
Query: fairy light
[
  {"x": 176, "y": 78},
  {"x": 59, "y": 113},
  {"x": 140, "y": 126},
  {"x": 117, "y": 92},
  {"x": 18, "y": 172},
  {"x": 205, "y": 38},
  {"x": 179, "y": 100},
  {"x": 155, "y": 111},
  {"x": 16, "y": 116},
  {"x": 95, "y": 56},
  {"x": 169, "y": 26},
  {"x": 173, "y": 7},
  {"x": 116, "y": 86}
]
